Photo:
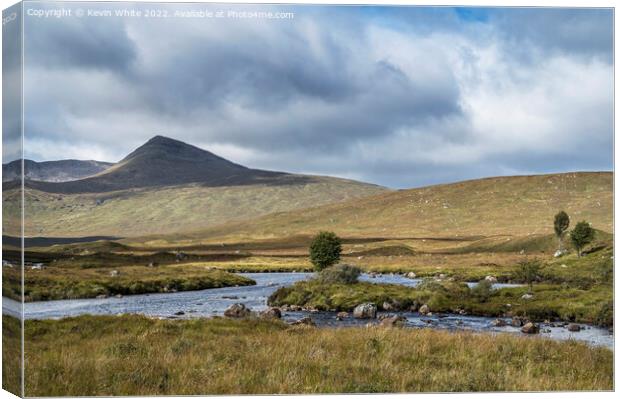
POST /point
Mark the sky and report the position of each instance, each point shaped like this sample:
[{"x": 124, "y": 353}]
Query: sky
[{"x": 397, "y": 96}]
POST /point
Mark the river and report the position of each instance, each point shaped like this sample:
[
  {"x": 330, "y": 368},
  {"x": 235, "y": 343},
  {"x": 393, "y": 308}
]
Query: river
[{"x": 213, "y": 302}]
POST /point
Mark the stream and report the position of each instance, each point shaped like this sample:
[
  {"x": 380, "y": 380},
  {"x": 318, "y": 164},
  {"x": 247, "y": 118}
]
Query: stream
[{"x": 213, "y": 302}]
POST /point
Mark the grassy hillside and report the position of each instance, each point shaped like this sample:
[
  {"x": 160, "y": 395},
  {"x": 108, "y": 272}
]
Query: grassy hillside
[
  {"x": 169, "y": 209},
  {"x": 520, "y": 206}
]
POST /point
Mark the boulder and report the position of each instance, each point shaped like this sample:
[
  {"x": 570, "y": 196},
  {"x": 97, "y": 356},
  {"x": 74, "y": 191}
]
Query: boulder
[
  {"x": 237, "y": 310},
  {"x": 517, "y": 322},
  {"x": 491, "y": 279},
  {"x": 411, "y": 275},
  {"x": 387, "y": 306},
  {"x": 179, "y": 313},
  {"x": 271, "y": 313},
  {"x": 114, "y": 273},
  {"x": 424, "y": 309},
  {"x": 393, "y": 321},
  {"x": 572, "y": 327},
  {"x": 530, "y": 328},
  {"x": 527, "y": 296},
  {"x": 365, "y": 311}
]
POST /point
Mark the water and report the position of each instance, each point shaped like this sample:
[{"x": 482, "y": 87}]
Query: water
[{"x": 213, "y": 302}]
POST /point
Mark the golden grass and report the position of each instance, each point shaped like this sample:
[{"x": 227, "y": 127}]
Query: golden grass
[{"x": 133, "y": 355}]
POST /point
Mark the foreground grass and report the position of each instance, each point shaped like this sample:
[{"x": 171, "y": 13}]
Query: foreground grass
[
  {"x": 134, "y": 355},
  {"x": 62, "y": 283}
]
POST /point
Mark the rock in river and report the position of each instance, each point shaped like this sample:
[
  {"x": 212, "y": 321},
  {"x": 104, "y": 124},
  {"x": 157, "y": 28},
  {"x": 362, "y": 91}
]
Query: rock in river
[
  {"x": 393, "y": 321},
  {"x": 341, "y": 316},
  {"x": 237, "y": 310},
  {"x": 424, "y": 309},
  {"x": 271, "y": 313},
  {"x": 498, "y": 323},
  {"x": 572, "y": 327},
  {"x": 365, "y": 311},
  {"x": 530, "y": 328}
]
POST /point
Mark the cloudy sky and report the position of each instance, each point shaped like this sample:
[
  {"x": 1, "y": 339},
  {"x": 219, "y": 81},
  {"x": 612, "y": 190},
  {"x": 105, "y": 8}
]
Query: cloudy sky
[{"x": 401, "y": 97}]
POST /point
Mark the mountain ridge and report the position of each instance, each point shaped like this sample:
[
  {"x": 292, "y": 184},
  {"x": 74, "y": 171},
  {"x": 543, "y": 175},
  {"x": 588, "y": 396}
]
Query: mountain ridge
[{"x": 164, "y": 162}]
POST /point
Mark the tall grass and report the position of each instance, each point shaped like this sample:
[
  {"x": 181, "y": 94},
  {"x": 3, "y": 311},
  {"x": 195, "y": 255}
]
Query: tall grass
[{"x": 134, "y": 355}]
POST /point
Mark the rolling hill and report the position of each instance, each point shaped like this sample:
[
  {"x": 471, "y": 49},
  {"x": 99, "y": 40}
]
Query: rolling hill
[
  {"x": 53, "y": 171},
  {"x": 500, "y": 206},
  {"x": 167, "y": 186}
]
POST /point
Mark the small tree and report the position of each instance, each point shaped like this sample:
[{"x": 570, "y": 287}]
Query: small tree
[
  {"x": 325, "y": 250},
  {"x": 528, "y": 272},
  {"x": 560, "y": 224},
  {"x": 582, "y": 235}
]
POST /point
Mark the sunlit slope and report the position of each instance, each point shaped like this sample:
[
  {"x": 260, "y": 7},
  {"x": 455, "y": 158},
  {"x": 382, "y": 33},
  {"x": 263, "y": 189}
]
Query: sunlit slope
[
  {"x": 521, "y": 205},
  {"x": 169, "y": 209}
]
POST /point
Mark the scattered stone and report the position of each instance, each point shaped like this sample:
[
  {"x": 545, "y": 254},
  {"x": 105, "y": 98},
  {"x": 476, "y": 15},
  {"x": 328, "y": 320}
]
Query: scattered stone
[
  {"x": 393, "y": 321},
  {"x": 498, "y": 323},
  {"x": 365, "y": 311},
  {"x": 517, "y": 322},
  {"x": 237, "y": 310},
  {"x": 491, "y": 279},
  {"x": 572, "y": 327},
  {"x": 102, "y": 296},
  {"x": 114, "y": 273},
  {"x": 305, "y": 321},
  {"x": 559, "y": 253},
  {"x": 119, "y": 295},
  {"x": 153, "y": 264},
  {"x": 387, "y": 306},
  {"x": 271, "y": 313},
  {"x": 563, "y": 266},
  {"x": 530, "y": 328},
  {"x": 424, "y": 309},
  {"x": 527, "y": 296},
  {"x": 341, "y": 316},
  {"x": 411, "y": 275}
]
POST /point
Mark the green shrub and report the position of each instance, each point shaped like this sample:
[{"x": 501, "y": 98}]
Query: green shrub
[
  {"x": 605, "y": 316},
  {"x": 482, "y": 291},
  {"x": 340, "y": 274}
]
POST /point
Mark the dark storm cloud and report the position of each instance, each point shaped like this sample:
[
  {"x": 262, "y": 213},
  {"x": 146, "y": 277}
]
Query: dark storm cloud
[
  {"x": 72, "y": 43},
  {"x": 396, "y": 96}
]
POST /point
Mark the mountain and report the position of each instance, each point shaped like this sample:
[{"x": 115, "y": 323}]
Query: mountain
[
  {"x": 166, "y": 186},
  {"x": 162, "y": 162},
  {"x": 499, "y": 206},
  {"x": 53, "y": 171}
]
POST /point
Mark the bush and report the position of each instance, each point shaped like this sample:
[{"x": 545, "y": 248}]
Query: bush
[
  {"x": 605, "y": 316},
  {"x": 340, "y": 274},
  {"x": 482, "y": 291},
  {"x": 325, "y": 250},
  {"x": 529, "y": 271}
]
